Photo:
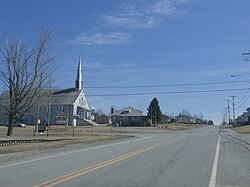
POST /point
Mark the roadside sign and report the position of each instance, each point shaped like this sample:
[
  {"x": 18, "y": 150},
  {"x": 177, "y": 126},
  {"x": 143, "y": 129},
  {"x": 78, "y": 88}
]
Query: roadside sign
[
  {"x": 61, "y": 118},
  {"x": 92, "y": 117}
]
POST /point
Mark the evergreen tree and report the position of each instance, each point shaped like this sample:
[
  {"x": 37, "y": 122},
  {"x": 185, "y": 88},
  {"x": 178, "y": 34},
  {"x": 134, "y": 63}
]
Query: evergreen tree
[{"x": 154, "y": 111}]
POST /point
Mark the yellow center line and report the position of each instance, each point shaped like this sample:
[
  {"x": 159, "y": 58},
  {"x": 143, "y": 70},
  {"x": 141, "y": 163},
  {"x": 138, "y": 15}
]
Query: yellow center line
[{"x": 75, "y": 174}]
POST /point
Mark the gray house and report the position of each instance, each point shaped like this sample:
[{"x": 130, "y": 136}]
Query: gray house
[
  {"x": 244, "y": 118},
  {"x": 181, "y": 118},
  {"x": 128, "y": 116},
  {"x": 57, "y": 106}
]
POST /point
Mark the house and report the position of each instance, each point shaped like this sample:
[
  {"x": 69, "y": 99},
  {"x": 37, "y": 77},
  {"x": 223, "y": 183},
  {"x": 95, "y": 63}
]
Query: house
[
  {"x": 244, "y": 118},
  {"x": 181, "y": 118},
  {"x": 128, "y": 116},
  {"x": 57, "y": 106}
]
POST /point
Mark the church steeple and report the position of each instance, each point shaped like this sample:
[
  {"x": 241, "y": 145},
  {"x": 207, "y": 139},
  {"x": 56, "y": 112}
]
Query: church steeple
[{"x": 79, "y": 82}]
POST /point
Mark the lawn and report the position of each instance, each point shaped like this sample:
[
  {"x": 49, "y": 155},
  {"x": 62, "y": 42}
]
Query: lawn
[{"x": 242, "y": 129}]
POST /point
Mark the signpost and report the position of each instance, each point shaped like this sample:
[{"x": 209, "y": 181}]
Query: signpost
[
  {"x": 92, "y": 117},
  {"x": 110, "y": 123}
]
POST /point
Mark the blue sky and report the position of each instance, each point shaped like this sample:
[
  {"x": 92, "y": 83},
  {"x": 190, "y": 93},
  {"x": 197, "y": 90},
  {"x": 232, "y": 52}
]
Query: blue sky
[{"x": 142, "y": 42}]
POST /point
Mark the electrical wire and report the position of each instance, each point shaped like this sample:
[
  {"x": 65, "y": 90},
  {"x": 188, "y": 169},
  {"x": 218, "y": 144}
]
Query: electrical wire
[{"x": 158, "y": 86}]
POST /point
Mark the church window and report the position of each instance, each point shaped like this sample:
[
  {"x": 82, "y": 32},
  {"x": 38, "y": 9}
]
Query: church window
[{"x": 60, "y": 109}]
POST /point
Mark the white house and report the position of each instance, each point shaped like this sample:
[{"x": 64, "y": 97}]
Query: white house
[
  {"x": 245, "y": 117},
  {"x": 57, "y": 106}
]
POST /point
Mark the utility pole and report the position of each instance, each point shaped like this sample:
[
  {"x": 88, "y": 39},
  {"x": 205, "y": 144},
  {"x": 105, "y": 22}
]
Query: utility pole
[
  {"x": 151, "y": 111},
  {"x": 38, "y": 120},
  {"x": 155, "y": 116},
  {"x": 49, "y": 107},
  {"x": 233, "y": 96},
  {"x": 228, "y": 109},
  {"x": 225, "y": 114},
  {"x": 48, "y": 121}
]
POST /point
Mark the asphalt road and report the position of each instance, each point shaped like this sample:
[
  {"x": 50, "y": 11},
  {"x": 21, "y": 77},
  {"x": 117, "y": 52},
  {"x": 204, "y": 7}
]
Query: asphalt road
[{"x": 199, "y": 157}]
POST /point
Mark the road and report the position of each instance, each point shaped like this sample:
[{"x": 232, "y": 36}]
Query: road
[{"x": 199, "y": 157}]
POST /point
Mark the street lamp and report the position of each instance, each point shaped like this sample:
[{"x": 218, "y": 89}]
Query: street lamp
[{"x": 246, "y": 78}]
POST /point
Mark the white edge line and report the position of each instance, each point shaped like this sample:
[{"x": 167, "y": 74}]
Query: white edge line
[
  {"x": 78, "y": 151},
  {"x": 212, "y": 182}
]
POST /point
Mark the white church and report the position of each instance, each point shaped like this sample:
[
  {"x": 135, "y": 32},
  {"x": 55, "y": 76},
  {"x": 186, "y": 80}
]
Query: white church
[{"x": 57, "y": 107}]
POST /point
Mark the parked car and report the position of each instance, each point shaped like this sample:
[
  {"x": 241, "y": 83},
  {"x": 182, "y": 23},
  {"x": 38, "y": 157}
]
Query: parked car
[{"x": 18, "y": 124}]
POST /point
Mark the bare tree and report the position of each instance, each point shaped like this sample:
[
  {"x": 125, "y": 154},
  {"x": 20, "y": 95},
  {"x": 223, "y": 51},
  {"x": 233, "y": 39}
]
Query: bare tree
[
  {"x": 185, "y": 112},
  {"x": 24, "y": 71}
]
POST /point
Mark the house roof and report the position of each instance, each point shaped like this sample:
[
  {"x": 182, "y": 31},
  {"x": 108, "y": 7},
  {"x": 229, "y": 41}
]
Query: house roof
[
  {"x": 184, "y": 116},
  {"x": 128, "y": 111},
  {"x": 57, "y": 96}
]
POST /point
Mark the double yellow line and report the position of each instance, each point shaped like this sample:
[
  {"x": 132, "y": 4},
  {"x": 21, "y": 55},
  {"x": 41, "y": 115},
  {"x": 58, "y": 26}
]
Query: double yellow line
[{"x": 100, "y": 165}]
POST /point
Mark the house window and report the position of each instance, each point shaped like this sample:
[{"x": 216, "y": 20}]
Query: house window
[
  {"x": 81, "y": 101},
  {"x": 36, "y": 109},
  {"x": 125, "y": 112},
  {"x": 2, "y": 109},
  {"x": 47, "y": 109},
  {"x": 60, "y": 109}
]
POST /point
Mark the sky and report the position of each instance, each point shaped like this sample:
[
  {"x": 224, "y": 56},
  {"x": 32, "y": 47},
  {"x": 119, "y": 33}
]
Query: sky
[{"x": 135, "y": 50}]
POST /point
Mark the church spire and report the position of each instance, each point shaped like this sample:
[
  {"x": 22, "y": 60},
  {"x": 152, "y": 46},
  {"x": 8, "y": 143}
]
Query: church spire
[{"x": 79, "y": 82}]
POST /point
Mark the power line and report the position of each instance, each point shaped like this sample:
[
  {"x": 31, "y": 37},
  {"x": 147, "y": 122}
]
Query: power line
[
  {"x": 243, "y": 102},
  {"x": 170, "y": 85},
  {"x": 159, "y": 93},
  {"x": 243, "y": 98},
  {"x": 158, "y": 86},
  {"x": 169, "y": 93}
]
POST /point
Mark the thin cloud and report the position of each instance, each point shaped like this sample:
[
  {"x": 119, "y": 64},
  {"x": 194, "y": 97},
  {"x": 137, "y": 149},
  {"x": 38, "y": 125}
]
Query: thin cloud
[
  {"x": 132, "y": 16},
  {"x": 164, "y": 8},
  {"x": 129, "y": 17},
  {"x": 185, "y": 1},
  {"x": 99, "y": 39},
  {"x": 130, "y": 22},
  {"x": 143, "y": 16}
]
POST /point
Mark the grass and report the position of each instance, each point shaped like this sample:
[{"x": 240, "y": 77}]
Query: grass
[
  {"x": 82, "y": 135},
  {"x": 55, "y": 144},
  {"x": 179, "y": 126},
  {"x": 242, "y": 129}
]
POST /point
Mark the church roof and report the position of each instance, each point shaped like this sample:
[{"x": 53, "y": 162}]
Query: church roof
[
  {"x": 57, "y": 96},
  {"x": 64, "y": 97}
]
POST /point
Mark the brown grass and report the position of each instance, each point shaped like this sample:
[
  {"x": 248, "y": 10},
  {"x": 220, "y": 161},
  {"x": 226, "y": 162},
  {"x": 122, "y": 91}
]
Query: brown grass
[
  {"x": 70, "y": 135},
  {"x": 55, "y": 144},
  {"x": 57, "y": 131},
  {"x": 243, "y": 129},
  {"x": 178, "y": 127}
]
